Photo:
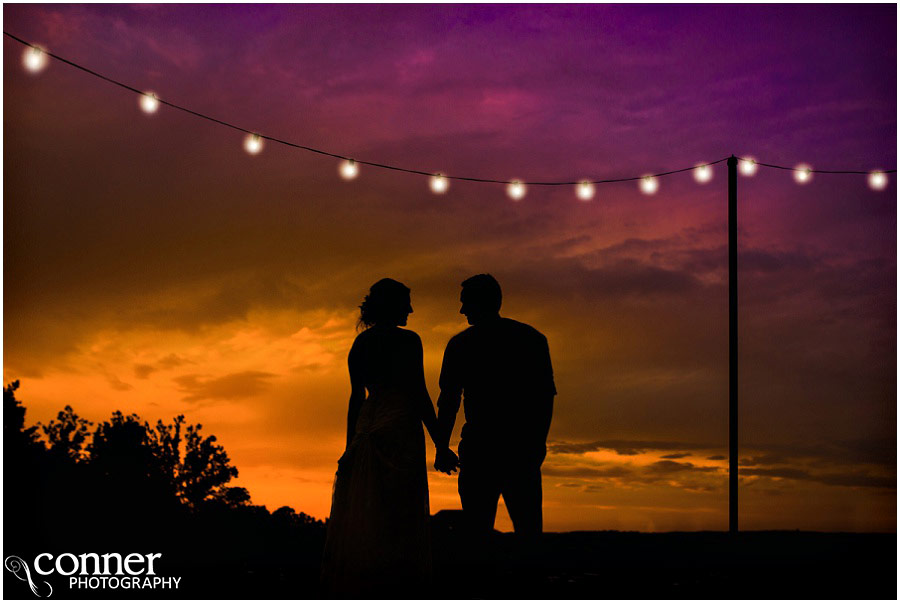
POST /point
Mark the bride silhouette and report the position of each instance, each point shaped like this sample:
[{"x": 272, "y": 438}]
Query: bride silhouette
[{"x": 378, "y": 540}]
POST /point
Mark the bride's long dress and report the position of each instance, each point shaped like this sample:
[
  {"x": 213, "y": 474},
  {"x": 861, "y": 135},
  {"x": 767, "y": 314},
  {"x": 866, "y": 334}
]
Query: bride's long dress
[{"x": 378, "y": 540}]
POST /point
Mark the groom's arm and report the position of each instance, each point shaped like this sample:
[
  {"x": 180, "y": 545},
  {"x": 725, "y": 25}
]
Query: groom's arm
[
  {"x": 445, "y": 460},
  {"x": 448, "y": 406},
  {"x": 544, "y": 391}
]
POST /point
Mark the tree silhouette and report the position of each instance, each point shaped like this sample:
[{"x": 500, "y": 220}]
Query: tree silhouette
[
  {"x": 132, "y": 486},
  {"x": 23, "y": 464},
  {"x": 198, "y": 474},
  {"x": 205, "y": 469},
  {"x": 67, "y": 434},
  {"x": 165, "y": 441},
  {"x": 121, "y": 447},
  {"x": 236, "y": 497},
  {"x": 16, "y": 437}
]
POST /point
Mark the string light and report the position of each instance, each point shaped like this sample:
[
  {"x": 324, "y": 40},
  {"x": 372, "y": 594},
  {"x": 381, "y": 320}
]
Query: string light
[
  {"x": 149, "y": 102},
  {"x": 515, "y": 190},
  {"x": 348, "y": 169},
  {"x": 878, "y": 180},
  {"x": 439, "y": 184},
  {"x": 585, "y": 190},
  {"x": 34, "y": 59},
  {"x": 803, "y": 173},
  {"x": 649, "y": 185},
  {"x": 703, "y": 173},
  {"x": 253, "y": 143},
  {"x": 748, "y": 166}
]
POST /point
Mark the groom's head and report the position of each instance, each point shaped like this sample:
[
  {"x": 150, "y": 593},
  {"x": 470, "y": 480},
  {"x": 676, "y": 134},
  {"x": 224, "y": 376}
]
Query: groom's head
[{"x": 481, "y": 298}]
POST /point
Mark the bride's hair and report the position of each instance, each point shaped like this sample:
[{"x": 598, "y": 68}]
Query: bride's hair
[{"x": 386, "y": 300}]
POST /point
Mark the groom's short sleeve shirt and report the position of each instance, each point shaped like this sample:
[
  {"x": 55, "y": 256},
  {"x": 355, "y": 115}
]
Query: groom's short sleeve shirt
[{"x": 503, "y": 371}]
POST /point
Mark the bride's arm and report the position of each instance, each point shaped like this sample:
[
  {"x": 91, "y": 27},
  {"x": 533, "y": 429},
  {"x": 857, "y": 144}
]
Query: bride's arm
[
  {"x": 428, "y": 416},
  {"x": 357, "y": 389}
]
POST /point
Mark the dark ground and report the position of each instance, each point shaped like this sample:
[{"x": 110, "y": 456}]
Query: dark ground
[
  {"x": 594, "y": 565},
  {"x": 696, "y": 565}
]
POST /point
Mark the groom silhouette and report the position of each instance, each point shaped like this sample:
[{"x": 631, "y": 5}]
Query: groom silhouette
[{"x": 502, "y": 368}]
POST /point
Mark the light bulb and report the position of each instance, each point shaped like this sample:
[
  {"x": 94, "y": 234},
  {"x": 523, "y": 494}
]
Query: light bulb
[
  {"x": 703, "y": 173},
  {"x": 253, "y": 143},
  {"x": 802, "y": 173},
  {"x": 748, "y": 166},
  {"x": 878, "y": 180},
  {"x": 34, "y": 59},
  {"x": 439, "y": 184},
  {"x": 649, "y": 185},
  {"x": 515, "y": 190},
  {"x": 149, "y": 102},
  {"x": 349, "y": 170},
  {"x": 585, "y": 190}
]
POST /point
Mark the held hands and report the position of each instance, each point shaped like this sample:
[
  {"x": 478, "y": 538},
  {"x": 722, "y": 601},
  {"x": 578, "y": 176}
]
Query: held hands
[{"x": 446, "y": 461}]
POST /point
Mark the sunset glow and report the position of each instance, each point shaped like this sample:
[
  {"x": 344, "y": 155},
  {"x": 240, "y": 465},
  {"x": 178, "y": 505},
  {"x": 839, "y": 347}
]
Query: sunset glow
[{"x": 152, "y": 267}]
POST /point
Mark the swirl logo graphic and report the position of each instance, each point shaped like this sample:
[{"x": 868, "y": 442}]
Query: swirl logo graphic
[{"x": 21, "y": 571}]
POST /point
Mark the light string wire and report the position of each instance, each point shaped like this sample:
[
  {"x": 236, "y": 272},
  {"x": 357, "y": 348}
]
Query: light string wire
[
  {"x": 812, "y": 171},
  {"x": 413, "y": 171}
]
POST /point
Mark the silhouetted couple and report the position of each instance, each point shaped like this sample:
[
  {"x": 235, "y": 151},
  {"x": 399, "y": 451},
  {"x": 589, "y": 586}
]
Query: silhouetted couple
[{"x": 378, "y": 541}]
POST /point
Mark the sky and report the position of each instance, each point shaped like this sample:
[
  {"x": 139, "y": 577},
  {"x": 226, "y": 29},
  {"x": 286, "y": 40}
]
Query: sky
[{"x": 151, "y": 265}]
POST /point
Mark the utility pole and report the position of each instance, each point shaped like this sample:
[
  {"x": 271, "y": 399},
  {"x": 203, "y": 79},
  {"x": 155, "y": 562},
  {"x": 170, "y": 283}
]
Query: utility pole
[{"x": 732, "y": 349}]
